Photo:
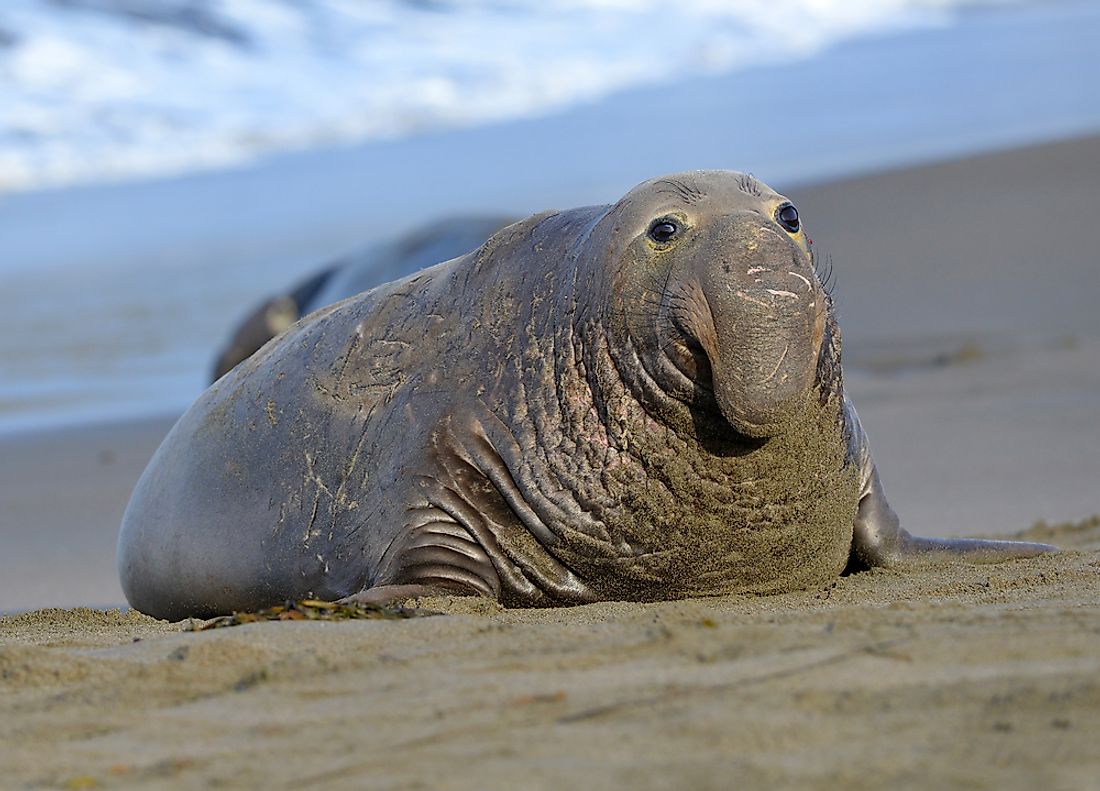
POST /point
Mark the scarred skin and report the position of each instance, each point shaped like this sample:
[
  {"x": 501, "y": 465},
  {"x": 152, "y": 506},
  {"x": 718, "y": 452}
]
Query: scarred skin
[
  {"x": 348, "y": 276},
  {"x": 579, "y": 410}
]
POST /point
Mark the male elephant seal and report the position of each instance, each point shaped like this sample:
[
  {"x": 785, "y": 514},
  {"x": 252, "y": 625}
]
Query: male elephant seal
[{"x": 640, "y": 401}]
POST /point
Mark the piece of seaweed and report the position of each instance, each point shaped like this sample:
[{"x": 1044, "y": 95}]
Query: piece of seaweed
[{"x": 314, "y": 610}]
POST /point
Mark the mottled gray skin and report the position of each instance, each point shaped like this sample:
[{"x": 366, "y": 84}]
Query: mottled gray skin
[
  {"x": 438, "y": 241},
  {"x": 574, "y": 412}
]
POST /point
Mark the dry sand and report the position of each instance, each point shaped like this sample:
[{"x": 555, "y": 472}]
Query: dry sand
[
  {"x": 958, "y": 676},
  {"x": 973, "y": 353}
]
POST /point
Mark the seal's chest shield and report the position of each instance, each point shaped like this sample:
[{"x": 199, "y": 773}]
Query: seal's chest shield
[{"x": 689, "y": 518}]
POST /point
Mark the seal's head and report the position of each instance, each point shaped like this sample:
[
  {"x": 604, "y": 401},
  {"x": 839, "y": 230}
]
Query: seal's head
[{"x": 712, "y": 282}]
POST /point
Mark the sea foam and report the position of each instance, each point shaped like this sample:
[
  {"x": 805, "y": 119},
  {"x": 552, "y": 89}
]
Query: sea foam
[{"x": 109, "y": 90}]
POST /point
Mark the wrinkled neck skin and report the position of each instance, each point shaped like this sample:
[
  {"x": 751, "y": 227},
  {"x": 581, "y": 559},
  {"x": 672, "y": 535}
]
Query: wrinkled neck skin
[{"x": 632, "y": 473}]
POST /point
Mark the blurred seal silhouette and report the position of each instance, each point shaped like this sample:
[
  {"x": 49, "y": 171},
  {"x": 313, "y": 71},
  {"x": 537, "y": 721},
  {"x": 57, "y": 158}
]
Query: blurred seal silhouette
[
  {"x": 640, "y": 401},
  {"x": 438, "y": 241}
]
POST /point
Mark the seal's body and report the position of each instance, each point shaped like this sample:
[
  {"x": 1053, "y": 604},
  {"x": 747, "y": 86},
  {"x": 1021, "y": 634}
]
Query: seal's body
[
  {"x": 642, "y": 401},
  {"x": 348, "y": 276}
]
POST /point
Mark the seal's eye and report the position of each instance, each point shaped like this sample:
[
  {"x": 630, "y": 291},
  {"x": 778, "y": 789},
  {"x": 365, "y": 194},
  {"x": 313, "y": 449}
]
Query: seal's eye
[
  {"x": 663, "y": 230},
  {"x": 787, "y": 216}
]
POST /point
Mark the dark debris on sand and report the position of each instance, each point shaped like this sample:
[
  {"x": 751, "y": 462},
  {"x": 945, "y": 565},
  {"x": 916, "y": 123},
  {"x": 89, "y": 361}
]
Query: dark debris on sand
[{"x": 314, "y": 610}]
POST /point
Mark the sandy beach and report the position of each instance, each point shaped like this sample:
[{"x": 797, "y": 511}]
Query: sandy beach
[
  {"x": 973, "y": 354},
  {"x": 962, "y": 677}
]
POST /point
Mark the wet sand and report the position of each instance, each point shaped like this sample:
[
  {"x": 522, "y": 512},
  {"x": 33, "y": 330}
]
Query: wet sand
[
  {"x": 972, "y": 351},
  {"x": 63, "y": 494}
]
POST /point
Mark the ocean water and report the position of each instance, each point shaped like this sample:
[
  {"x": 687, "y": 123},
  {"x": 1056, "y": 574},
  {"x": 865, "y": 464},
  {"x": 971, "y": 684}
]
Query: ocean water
[
  {"x": 96, "y": 90},
  {"x": 239, "y": 145}
]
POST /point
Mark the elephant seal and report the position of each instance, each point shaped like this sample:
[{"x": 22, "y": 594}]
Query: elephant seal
[
  {"x": 438, "y": 241},
  {"x": 640, "y": 401}
]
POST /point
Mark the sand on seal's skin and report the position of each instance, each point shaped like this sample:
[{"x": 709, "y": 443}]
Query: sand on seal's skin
[{"x": 957, "y": 675}]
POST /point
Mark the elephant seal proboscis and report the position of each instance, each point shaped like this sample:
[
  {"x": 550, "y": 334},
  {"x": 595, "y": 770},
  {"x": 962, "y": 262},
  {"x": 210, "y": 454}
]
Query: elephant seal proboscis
[{"x": 641, "y": 401}]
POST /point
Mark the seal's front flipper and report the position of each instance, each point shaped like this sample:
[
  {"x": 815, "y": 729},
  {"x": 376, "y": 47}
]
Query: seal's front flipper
[
  {"x": 432, "y": 556},
  {"x": 385, "y": 595},
  {"x": 880, "y": 540}
]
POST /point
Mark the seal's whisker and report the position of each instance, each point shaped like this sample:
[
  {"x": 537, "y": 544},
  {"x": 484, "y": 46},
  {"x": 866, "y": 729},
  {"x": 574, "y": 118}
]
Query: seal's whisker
[{"x": 823, "y": 268}]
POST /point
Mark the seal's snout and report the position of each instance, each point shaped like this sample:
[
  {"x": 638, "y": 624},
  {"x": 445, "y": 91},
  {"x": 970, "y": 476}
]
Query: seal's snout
[{"x": 767, "y": 316}]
